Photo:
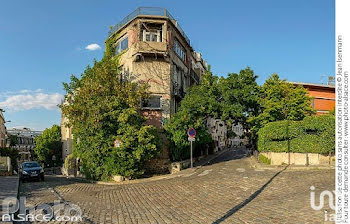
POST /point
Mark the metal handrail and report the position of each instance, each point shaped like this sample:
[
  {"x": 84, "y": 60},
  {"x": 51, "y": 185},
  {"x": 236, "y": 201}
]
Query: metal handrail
[{"x": 148, "y": 11}]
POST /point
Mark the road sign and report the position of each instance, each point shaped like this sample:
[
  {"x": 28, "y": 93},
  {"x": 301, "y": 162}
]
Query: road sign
[
  {"x": 117, "y": 143},
  {"x": 191, "y": 132},
  {"x": 191, "y": 139}
]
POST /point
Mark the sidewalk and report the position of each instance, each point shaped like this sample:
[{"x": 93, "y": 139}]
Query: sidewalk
[
  {"x": 8, "y": 188},
  {"x": 196, "y": 165}
]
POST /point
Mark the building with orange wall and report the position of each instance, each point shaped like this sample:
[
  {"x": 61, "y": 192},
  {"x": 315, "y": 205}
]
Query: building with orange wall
[{"x": 323, "y": 96}]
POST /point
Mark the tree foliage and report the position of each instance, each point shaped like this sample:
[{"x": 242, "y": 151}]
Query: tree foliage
[
  {"x": 281, "y": 100},
  {"x": 13, "y": 140},
  {"x": 200, "y": 102},
  {"x": 102, "y": 106},
  {"x": 48, "y": 145},
  {"x": 241, "y": 99},
  {"x": 235, "y": 99}
]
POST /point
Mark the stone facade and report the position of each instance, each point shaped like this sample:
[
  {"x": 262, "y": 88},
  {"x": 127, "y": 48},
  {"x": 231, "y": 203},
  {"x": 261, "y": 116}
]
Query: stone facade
[
  {"x": 67, "y": 138},
  {"x": 153, "y": 49}
]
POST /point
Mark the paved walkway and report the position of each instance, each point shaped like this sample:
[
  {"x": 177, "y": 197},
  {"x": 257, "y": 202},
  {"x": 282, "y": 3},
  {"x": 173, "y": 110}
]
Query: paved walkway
[
  {"x": 8, "y": 188},
  {"x": 228, "y": 191}
]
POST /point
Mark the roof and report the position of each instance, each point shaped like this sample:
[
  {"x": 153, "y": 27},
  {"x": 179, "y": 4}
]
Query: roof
[
  {"x": 148, "y": 11},
  {"x": 313, "y": 84},
  {"x": 25, "y": 132}
]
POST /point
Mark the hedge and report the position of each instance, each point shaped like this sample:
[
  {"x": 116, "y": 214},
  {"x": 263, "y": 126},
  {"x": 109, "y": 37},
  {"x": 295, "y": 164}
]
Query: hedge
[
  {"x": 314, "y": 134},
  {"x": 13, "y": 154}
]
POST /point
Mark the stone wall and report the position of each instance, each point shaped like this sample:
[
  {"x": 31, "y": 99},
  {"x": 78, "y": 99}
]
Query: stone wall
[
  {"x": 5, "y": 164},
  {"x": 279, "y": 158}
]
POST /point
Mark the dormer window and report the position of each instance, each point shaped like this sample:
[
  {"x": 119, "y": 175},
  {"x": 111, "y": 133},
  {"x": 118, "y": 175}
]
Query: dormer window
[{"x": 122, "y": 45}]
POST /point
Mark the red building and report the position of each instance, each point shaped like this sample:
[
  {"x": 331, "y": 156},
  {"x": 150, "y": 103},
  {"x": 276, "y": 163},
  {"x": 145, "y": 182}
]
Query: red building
[{"x": 323, "y": 96}]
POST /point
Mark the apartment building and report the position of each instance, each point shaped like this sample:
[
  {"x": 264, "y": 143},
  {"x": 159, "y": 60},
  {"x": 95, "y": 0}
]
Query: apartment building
[
  {"x": 153, "y": 48},
  {"x": 2, "y": 130},
  {"x": 25, "y": 142}
]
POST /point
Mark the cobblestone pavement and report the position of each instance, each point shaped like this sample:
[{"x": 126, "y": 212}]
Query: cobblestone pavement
[
  {"x": 228, "y": 191},
  {"x": 8, "y": 188}
]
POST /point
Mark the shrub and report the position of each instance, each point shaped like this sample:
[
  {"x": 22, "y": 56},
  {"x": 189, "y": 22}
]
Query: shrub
[
  {"x": 70, "y": 162},
  {"x": 13, "y": 154},
  {"x": 264, "y": 159},
  {"x": 282, "y": 130},
  {"x": 314, "y": 134},
  {"x": 102, "y": 106}
]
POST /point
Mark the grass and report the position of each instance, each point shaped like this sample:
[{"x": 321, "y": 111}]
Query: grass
[{"x": 264, "y": 159}]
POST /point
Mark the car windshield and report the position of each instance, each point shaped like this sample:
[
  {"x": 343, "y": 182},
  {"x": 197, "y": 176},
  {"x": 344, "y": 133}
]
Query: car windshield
[{"x": 30, "y": 165}]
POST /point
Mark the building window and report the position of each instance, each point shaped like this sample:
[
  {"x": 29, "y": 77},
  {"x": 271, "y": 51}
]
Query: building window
[
  {"x": 151, "y": 32},
  {"x": 153, "y": 102},
  {"x": 152, "y": 36},
  {"x": 179, "y": 50},
  {"x": 122, "y": 45}
]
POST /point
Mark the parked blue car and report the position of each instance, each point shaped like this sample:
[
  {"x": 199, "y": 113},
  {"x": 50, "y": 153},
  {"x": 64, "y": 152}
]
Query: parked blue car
[{"x": 31, "y": 170}]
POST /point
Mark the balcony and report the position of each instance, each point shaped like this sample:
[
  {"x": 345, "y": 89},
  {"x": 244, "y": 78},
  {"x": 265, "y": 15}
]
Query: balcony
[
  {"x": 178, "y": 91},
  {"x": 194, "y": 76},
  {"x": 147, "y": 11}
]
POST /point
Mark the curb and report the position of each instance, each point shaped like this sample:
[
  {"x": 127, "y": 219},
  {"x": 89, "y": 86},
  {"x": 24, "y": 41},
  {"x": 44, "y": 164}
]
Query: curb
[
  {"x": 254, "y": 163},
  {"x": 166, "y": 176}
]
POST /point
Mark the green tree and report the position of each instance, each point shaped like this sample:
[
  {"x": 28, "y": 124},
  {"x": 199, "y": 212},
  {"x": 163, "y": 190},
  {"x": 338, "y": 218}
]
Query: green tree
[
  {"x": 234, "y": 99},
  {"x": 101, "y": 106},
  {"x": 240, "y": 99},
  {"x": 200, "y": 102},
  {"x": 13, "y": 140},
  {"x": 49, "y": 144},
  {"x": 281, "y": 100}
]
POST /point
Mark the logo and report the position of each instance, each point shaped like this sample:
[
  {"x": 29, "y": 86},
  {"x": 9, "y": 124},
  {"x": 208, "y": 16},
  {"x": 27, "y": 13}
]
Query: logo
[
  {"x": 322, "y": 198},
  {"x": 14, "y": 210}
]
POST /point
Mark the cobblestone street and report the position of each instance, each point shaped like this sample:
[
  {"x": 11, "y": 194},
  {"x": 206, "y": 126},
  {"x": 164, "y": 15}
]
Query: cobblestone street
[{"x": 227, "y": 191}]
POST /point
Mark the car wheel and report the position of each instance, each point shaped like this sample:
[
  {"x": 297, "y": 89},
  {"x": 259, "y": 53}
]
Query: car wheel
[{"x": 42, "y": 178}]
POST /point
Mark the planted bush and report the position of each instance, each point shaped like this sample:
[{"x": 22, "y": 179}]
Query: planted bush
[{"x": 314, "y": 134}]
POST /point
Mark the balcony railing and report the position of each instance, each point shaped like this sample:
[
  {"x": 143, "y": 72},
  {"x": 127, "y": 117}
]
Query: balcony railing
[{"x": 147, "y": 11}]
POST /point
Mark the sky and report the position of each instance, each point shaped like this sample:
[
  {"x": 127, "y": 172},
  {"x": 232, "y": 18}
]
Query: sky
[{"x": 43, "y": 42}]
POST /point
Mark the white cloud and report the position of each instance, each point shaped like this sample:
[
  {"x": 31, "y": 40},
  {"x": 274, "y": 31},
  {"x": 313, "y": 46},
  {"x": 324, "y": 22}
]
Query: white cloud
[
  {"x": 29, "y": 99},
  {"x": 93, "y": 47}
]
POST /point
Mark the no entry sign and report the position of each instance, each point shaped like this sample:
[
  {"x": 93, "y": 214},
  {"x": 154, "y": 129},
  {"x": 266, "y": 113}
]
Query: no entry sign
[{"x": 191, "y": 132}]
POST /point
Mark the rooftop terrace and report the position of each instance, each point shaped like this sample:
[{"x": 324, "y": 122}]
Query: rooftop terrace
[{"x": 147, "y": 11}]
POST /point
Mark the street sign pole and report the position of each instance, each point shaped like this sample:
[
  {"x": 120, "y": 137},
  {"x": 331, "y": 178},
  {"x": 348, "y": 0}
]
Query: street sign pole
[
  {"x": 191, "y": 156},
  {"x": 191, "y": 137}
]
